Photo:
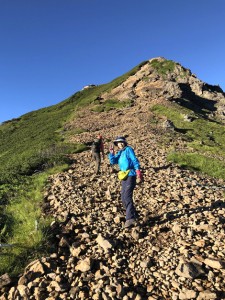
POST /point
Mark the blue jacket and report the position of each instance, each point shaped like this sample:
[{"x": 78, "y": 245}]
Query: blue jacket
[{"x": 126, "y": 159}]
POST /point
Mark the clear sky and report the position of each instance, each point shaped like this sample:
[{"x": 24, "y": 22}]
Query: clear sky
[{"x": 50, "y": 49}]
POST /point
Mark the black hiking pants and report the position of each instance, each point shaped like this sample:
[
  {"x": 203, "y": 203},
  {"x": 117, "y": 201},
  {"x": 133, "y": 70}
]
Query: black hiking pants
[
  {"x": 97, "y": 158},
  {"x": 127, "y": 190}
]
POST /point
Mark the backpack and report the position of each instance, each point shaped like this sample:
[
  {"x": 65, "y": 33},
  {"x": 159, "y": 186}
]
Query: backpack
[{"x": 95, "y": 147}]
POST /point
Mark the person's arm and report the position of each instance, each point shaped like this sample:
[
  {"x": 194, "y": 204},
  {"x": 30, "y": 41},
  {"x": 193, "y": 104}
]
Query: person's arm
[
  {"x": 113, "y": 158},
  {"x": 135, "y": 161},
  {"x": 139, "y": 176},
  {"x": 136, "y": 165}
]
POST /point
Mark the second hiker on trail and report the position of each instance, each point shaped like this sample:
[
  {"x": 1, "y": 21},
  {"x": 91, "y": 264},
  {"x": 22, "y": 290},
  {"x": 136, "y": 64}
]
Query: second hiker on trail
[
  {"x": 97, "y": 148},
  {"x": 129, "y": 174}
]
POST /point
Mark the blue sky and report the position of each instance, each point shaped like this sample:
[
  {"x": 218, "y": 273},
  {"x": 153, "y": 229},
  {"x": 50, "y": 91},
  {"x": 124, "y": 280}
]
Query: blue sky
[{"x": 50, "y": 49}]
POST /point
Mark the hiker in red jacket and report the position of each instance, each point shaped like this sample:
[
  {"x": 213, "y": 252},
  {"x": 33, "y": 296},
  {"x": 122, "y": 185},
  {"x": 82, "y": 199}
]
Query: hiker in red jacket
[{"x": 96, "y": 149}]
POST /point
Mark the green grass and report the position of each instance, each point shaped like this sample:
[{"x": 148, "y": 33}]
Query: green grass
[
  {"x": 200, "y": 163},
  {"x": 204, "y": 138},
  {"x": 163, "y": 67},
  {"x": 33, "y": 141},
  {"x": 25, "y": 229},
  {"x": 111, "y": 104}
]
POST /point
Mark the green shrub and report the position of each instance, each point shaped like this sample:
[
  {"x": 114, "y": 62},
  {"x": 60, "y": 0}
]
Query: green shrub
[
  {"x": 98, "y": 108},
  {"x": 111, "y": 104},
  {"x": 163, "y": 67},
  {"x": 195, "y": 161}
]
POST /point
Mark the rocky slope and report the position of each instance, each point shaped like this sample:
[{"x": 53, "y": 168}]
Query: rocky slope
[
  {"x": 176, "y": 251},
  {"x": 159, "y": 79}
]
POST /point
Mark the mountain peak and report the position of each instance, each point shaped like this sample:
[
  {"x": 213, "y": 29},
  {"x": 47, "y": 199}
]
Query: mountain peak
[{"x": 162, "y": 79}]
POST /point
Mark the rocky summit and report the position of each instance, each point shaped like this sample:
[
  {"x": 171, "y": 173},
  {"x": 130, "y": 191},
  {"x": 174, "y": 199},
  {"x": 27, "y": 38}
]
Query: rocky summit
[{"x": 177, "y": 248}]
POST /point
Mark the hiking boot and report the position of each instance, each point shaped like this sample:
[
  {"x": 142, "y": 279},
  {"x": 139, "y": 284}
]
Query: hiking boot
[{"x": 129, "y": 223}]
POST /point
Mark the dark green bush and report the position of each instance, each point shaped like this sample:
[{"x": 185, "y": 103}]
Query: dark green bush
[{"x": 163, "y": 67}]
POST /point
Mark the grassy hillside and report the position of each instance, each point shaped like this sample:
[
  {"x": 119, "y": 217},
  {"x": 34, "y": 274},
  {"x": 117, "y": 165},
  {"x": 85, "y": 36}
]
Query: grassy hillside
[
  {"x": 36, "y": 140},
  {"x": 32, "y": 147},
  {"x": 35, "y": 145},
  {"x": 204, "y": 140}
]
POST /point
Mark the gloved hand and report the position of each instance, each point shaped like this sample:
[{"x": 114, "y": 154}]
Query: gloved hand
[
  {"x": 111, "y": 149},
  {"x": 139, "y": 176}
]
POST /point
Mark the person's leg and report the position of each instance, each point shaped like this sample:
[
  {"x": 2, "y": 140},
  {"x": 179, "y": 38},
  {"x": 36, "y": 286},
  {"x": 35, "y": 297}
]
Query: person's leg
[
  {"x": 123, "y": 189},
  {"x": 97, "y": 159},
  {"x": 128, "y": 186}
]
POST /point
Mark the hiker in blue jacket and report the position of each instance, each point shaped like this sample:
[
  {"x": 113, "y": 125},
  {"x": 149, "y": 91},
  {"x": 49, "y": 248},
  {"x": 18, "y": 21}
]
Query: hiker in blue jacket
[{"x": 127, "y": 160}]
